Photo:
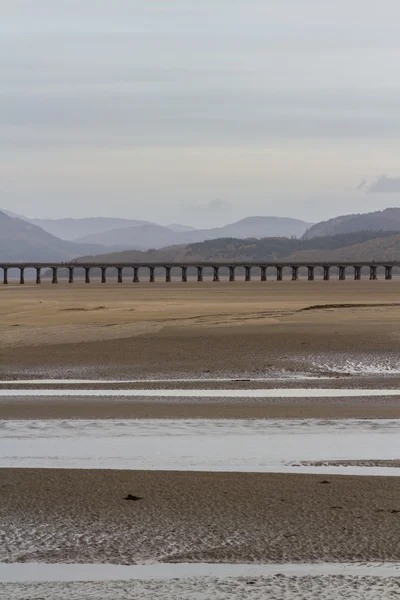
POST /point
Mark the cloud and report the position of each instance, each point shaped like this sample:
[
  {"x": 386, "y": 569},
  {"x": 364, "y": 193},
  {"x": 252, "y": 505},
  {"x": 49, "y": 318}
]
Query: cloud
[{"x": 385, "y": 185}]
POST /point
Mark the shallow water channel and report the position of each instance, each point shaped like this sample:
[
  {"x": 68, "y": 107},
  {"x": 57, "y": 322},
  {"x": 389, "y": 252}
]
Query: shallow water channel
[{"x": 203, "y": 444}]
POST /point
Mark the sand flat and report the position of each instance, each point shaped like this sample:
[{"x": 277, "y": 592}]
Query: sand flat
[
  {"x": 192, "y": 329},
  {"x": 81, "y": 516},
  {"x": 244, "y": 588}
]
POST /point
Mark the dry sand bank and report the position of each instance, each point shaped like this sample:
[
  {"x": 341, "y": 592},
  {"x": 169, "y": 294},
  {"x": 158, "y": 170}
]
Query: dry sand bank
[
  {"x": 195, "y": 328},
  {"x": 81, "y": 516}
]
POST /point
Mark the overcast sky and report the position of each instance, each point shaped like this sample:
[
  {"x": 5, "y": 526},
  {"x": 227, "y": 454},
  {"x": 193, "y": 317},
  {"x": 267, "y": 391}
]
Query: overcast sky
[{"x": 199, "y": 111}]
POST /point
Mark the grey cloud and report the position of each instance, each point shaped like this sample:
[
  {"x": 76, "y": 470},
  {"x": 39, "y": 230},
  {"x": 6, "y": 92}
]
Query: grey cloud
[{"x": 385, "y": 185}]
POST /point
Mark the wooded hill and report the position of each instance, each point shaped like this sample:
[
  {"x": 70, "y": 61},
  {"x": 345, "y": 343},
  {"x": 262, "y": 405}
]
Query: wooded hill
[{"x": 362, "y": 245}]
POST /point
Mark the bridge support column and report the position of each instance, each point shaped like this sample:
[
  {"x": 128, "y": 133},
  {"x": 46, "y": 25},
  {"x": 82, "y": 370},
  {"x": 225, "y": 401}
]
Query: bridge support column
[
  {"x": 327, "y": 273},
  {"x": 119, "y": 271},
  {"x": 311, "y": 271},
  {"x": 87, "y": 274},
  {"x": 168, "y": 274},
  {"x": 22, "y": 275},
  {"x": 200, "y": 274},
  {"x": 247, "y": 273},
  {"x": 216, "y": 274},
  {"x": 372, "y": 273},
  {"x": 5, "y": 275},
  {"x": 388, "y": 272},
  {"x": 184, "y": 274},
  {"x": 342, "y": 273},
  {"x": 263, "y": 273},
  {"x": 279, "y": 273},
  {"x": 357, "y": 272},
  {"x": 38, "y": 276},
  {"x": 55, "y": 275},
  {"x": 232, "y": 273},
  {"x": 71, "y": 275},
  {"x": 136, "y": 275},
  {"x": 295, "y": 273},
  {"x": 103, "y": 274},
  {"x": 152, "y": 276}
]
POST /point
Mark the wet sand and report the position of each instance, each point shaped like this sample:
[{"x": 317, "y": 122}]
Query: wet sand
[
  {"x": 244, "y": 588},
  {"x": 82, "y": 516},
  {"x": 111, "y": 408}
]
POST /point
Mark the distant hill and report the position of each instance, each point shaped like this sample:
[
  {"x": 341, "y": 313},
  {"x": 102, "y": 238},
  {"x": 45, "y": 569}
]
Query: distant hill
[
  {"x": 261, "y": 227},
  {"x": 23, "y": 241},
  {"x": 141, "y": 238},
  {"x": 179, "y": 228},
  {"x": 155, "y": 236},
  {"x": 381, "y": 245},
  {"x": 73, "y": 229},
  {"x": 382, "y": 220}
]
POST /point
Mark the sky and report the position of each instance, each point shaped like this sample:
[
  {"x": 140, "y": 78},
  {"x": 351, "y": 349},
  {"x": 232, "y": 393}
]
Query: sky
[{"x": 199, "y": 112}]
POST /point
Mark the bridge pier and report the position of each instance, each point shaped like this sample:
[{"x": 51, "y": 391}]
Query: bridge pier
[
  {"x": 168, "y": 274},
  {"x": 87, "y": 274},
  {"x": 372, "y": 273},
  {"x": 263, "y": 275},
  {"x": 55, "y": 275},
  {"x": 184, "y": 274},
  {"x": 71, "y": 275},
  {"x": 295, "y": 273},
  {"x": 342, "y": 273},
  {"x": 200, "y": 274},
  {"x": 388, "y": 272},
  {"x": 216, "y": 274},
  {"x": 357, "y": 272},
  {"x": 247, "y": 273},
  {"x": 22, "y": 275},
  {"x": 279, "y": 273},
  {"x": 232, "y": 273},
  {"x": 136, "y": 275},
  {"x": 327, "y": 270},
  {"x": 38, "y": 276},
  {"x": 103, "y": 274},
  {"x": 311, "y": 271},
  {"x": 152, "y": 276},
  {"x": 119, "y": 271},
  {"x": 5, "y": 275}
]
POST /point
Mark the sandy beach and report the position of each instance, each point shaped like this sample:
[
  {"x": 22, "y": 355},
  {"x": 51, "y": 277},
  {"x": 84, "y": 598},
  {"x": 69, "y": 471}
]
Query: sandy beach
[{"x": 82, "y": 516}]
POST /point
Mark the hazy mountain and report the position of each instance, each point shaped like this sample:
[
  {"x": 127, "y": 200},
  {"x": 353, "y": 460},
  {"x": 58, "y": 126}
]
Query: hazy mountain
[
  {"x": 382, "y": 220},
  {"x": 260, "y": 227},
  {"x": 157, "y": 236},
  {"x": 142, "y": 238},
  {"x": 72, "y": 229},
  {"x": 20, "y": 240},
  {"x": 178, "y": 228}
]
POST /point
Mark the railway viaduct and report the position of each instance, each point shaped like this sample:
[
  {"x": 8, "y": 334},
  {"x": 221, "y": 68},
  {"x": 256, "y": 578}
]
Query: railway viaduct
[{"x": 137, "y": 269}]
